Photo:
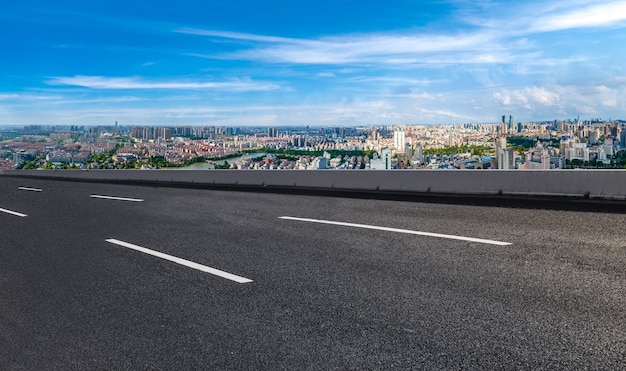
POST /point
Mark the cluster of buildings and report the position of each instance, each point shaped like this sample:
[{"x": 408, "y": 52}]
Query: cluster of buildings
[{"x": 553, "y": 145}]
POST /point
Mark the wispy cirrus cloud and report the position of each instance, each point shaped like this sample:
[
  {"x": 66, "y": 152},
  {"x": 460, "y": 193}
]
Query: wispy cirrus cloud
[
  {"x": 589, "y": 15},
  {"x": 482, "y": 37},
  {"x": 8, "y": 96},
  {"x": 122, "y": 83},
  {"x": 344, "y": 49},
  {"x": 395, "y": 80},
  {"x": 325, "y": 74},
  {"x": 27, "y": 97},
  {"x": 534, "y": 17},
  {"x": 236, "y": 35}
]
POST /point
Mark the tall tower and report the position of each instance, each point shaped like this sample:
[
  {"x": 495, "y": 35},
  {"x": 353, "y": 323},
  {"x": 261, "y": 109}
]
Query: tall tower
[
  {"x": 419, "y": 153},
  {"x": 398, "y": 139},
  {"x": 503, "y": 127},
  {"x": 386, "y": 157},
  {"x": 505, "y": 158},
  {"x": 374, "y": 135}
]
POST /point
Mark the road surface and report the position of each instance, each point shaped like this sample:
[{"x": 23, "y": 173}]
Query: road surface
[{"x": 102, "y": 276}]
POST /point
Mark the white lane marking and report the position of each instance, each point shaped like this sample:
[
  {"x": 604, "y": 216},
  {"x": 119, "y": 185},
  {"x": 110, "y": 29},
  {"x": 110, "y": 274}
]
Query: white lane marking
[
  {"x": 187, "y": 263},
  {"x": 117, "y": 198},
  {"x": 408, "y": 231},
  {"x": 30, "y": 189},
  {"x": 13, "y": 213}
]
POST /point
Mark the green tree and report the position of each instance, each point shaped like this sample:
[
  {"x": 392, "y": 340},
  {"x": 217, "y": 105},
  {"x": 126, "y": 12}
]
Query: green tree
[{"x": 226, "y": 165}]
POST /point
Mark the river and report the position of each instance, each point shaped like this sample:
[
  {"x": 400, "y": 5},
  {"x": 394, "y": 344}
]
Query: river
[{"x": 209, "y": 165}]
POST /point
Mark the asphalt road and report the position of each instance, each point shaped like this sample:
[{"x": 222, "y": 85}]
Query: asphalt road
[{"x": 321, "y": 296}]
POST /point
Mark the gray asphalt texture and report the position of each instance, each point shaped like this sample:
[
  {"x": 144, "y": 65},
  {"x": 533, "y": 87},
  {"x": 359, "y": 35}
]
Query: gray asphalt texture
[{"x": 322, "y": 297}]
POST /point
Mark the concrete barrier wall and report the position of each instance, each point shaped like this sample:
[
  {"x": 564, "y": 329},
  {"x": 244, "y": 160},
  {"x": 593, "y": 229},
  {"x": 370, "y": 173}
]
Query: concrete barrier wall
[{"x": 601, "y": 184}]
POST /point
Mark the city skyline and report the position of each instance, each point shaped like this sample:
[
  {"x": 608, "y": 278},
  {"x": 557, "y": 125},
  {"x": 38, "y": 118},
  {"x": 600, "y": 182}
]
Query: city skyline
[{"x": 294, "y": 63}]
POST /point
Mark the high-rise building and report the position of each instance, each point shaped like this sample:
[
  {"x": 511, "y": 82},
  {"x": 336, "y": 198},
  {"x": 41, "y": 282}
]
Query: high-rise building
[
  {"x": 503, "y": 129},
  {"x": 136, "y": 131},
  {"x": 537, "y": 158},
  {"x": 166, "y": 133},
  {"x": 505, "y": 158},
  {"x": 398, "y": 140},
  {"x": 408, "y": 150},
  {"x": 574, "y": 150},
  {"x": 419, "y": 153},
  {"x": 299, "y": 141},
  {"x": 340, "y": 132},
  {"x": 386, "y": 157},
  {"x": 383, "y": 162}
]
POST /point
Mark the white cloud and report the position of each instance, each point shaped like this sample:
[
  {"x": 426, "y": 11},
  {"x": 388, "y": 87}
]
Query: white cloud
[
  {"x": 503, "y": 97},
  {"x": 99, "y": 100},
  {"x": 362, "y": 49},
  {"x": 595, "y": 15},
  {"x": 121, "y": 83},
  {"x": 542, "y": 96},
  {"x": 8, "y": 96},
  {"x": 528, "y": 97},
  {"x": 235, "y": 35},
  {"x": 27, "y": 97},
  {"x": 501, "y": 34},
  {"x": 395, "y": 80},
  {"x": 540, "y": 102}
]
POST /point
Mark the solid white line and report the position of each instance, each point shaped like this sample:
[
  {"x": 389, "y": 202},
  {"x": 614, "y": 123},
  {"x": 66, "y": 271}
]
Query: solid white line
[
  {"x": 29, "y": 189},
  {"x": 117, "y": 198},
  {"x": 180, "y": 261},
  {"x": 13, "y": 213},
  {"x": 408, "y": 231}
]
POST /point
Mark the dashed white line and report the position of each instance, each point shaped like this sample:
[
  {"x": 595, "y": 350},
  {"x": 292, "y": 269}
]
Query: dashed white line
[
  {"x": 187, "y": 263},
  {"x": 13, "y": 213},
  {"x": 407, "y": 231},
  {"x": 117, "y": 198},
  {"x": 30, "y": 189}
]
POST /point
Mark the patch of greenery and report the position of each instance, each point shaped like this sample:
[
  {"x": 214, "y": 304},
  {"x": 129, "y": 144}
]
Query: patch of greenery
[
  {"x": 102, "y": 158},
  {"x": 449, "y": 151},
  {"x": 160, "y": 162},
  {"x": 524, "y": 143},
  {"x": 223, "y": 166}
]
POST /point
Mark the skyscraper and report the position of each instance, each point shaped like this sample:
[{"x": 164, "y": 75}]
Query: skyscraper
[
  {"x": 419, "y": 153},
  {"x": 386, "y": 157},
  {"x": 505, "y": 158},
  {"x": 398, "y": 140}
]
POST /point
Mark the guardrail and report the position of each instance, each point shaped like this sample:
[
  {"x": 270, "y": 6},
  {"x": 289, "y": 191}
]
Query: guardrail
[{"x": 594, "y": 184}]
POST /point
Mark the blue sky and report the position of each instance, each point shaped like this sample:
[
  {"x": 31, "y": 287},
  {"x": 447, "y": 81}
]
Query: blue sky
[{"x": 296, "y": 62}]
